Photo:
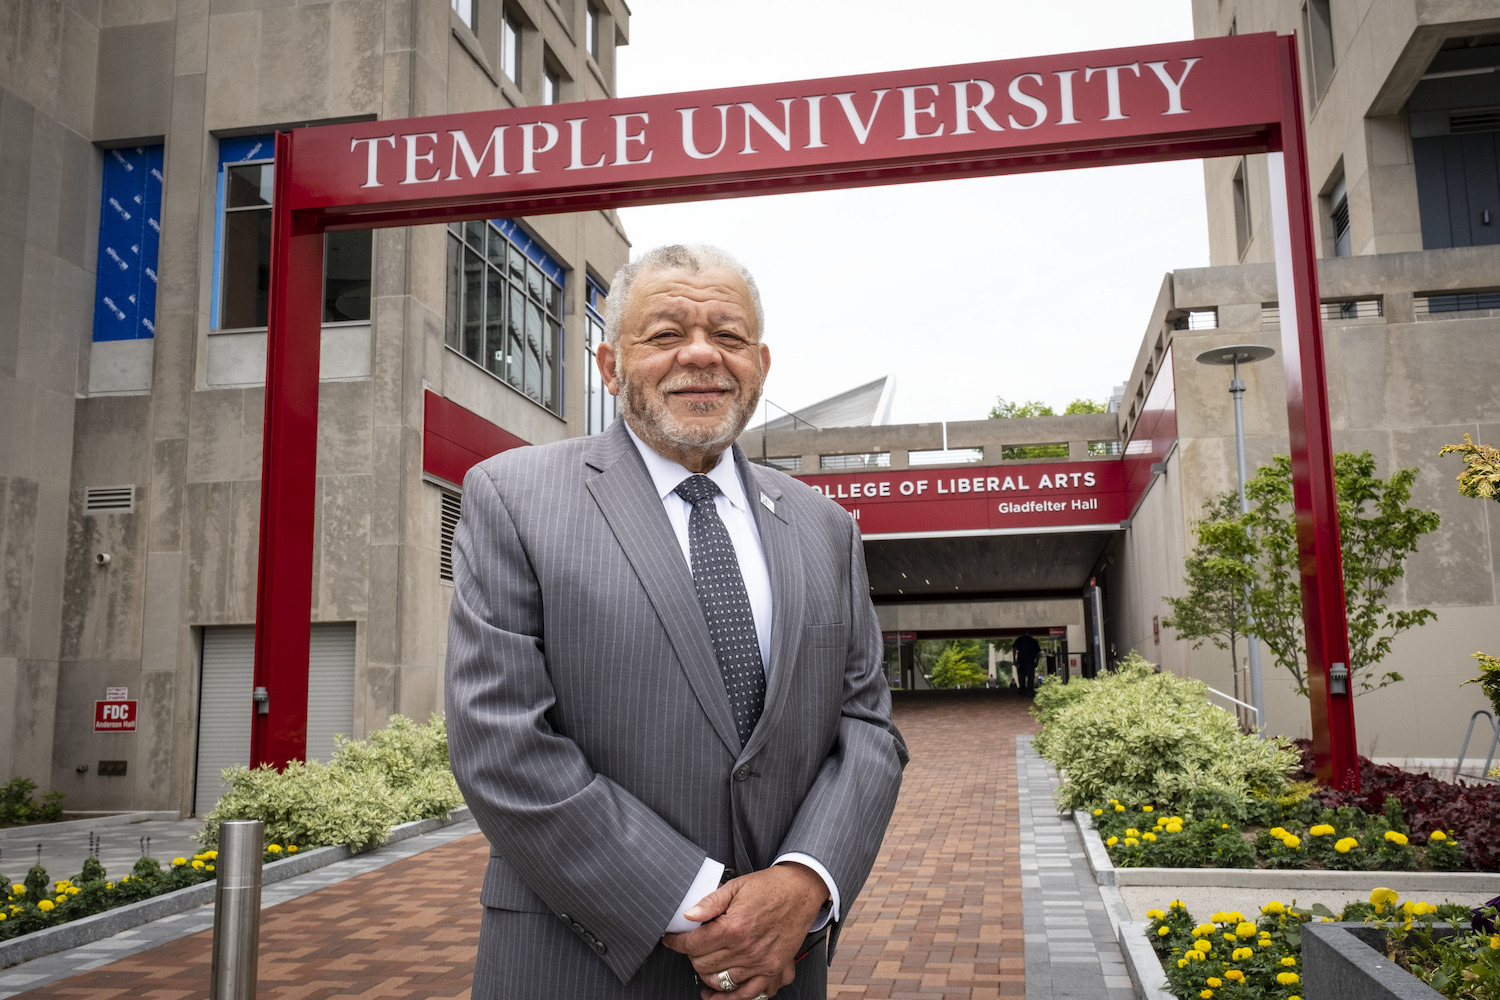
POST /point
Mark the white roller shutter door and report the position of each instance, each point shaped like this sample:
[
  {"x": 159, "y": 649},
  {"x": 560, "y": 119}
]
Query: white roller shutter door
[
  {"x": 224, "y": 709},
  {"x": 330, "y": 688},
  {"x": 224, "y": 705}
]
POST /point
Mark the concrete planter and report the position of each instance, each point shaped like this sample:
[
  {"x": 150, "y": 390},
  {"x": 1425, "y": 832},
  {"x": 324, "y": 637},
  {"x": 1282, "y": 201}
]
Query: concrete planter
[{"x": 1347, "y": 962}]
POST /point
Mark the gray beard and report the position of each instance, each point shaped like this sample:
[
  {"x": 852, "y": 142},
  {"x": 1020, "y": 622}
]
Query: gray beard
[{"x": 657, "y": 425}]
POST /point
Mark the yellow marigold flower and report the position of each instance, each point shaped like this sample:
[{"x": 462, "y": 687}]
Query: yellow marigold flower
[
  {"x": 1289, "y": 961},
  {"x": 209, "y": 868},
  {"x": 1146, "y": 809},
  {"x": 1163, "y": 931},
  {"x": 1132, "y": 832},
  {"x": 1206, "y": 994},
  {"x": 178, "y": 862},
  {"x": 1273, "y": 907},
  {"x": 1245, "y": 930},
  {"x": 1346, "y": 845},
  {"x": 1132, "y": 842},
  {"x": 73, "y": 890},
  {"x": 1437, "y": 835},
  {"x": 109, "y": 885},
  {"x": 1223, "y": 826},
  {"x": 1098, "y": 812},
  {"x": 1119, "y": 808},
  {"x": 1149, "y": 837},
  {"x": 46, "y": 906},
  {"x": 1176, "y": 904},
  {"x": 1234, "y": 916},
  {"x": 1380, "y": 896},
  {"x": 1287, "y": 978},
  {"x": 1154, "y": 914},
  {"x": 17, "y": 888},
  {"x": 1230, "y": 939},
  {"x": 1240, "y": 954},
  {"x": 1215, "y": 982},
  {"x": 291, "y": 848},
  {"x": 1182, "y": 963},
  {"x": 1173, "y": 827},
  {"x": 1291, "y": 842},
  {"x": 1495, "y": 941},
  {"x": 198, "y": 863},
  {"x": 1236, "y": 975},
  {"x": 3, "y": 916},
  {"x": 1112, "y": 841},
  {"x": 1321, "y": 830},
  {"x": 1219, "y": 917},
  {"x": 274, "y": 849},
  {"x": 1203, "y": 929},
  {"x": 1399, "y": 839},
  {"x": 1277, "y": 832}
]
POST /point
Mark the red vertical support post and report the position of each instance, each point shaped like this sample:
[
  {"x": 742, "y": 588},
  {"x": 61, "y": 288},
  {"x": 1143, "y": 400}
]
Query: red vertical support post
[
  {"x": 283, "y": 608},
  {"x": 1313, "y": 497}
]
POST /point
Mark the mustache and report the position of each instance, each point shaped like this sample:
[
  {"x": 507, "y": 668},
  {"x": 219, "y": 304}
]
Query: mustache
[{"x": 690, "y": 380}]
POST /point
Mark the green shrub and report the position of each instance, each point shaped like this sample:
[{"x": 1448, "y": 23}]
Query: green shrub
[
  {"x": 17, "y": 805},
  {"x": 1052, "y": 696},
  {"x": 397, "y": 774},
  {"x": 1149, "y": 738}
]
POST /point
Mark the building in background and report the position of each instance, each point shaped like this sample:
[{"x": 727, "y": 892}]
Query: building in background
[
  {"x": 1402, "y": 101},
  {"x": 136, "y": 162}
]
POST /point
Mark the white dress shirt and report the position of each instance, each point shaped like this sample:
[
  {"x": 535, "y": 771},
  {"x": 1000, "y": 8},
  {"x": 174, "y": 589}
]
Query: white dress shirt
[{"x": 733, "y": 507}]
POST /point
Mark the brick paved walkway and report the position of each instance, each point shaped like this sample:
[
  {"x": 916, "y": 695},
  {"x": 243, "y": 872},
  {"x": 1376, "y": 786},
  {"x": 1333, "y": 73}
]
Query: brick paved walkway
[{"x": 940, "y": 918}]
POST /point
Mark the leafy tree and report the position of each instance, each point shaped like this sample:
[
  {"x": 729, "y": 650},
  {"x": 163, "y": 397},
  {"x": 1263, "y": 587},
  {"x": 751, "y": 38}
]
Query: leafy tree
[
  {"x": 1481, "y": 480},
  {"x": 1007, "y": 410},
  {"x": 1213, "y": 609},
  {"x": 1378, "y": 527},
  {"x": 958, "y": 665}
]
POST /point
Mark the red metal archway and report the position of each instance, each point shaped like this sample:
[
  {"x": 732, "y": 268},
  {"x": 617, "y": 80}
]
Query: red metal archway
[{"x": 1209, "y": 97}]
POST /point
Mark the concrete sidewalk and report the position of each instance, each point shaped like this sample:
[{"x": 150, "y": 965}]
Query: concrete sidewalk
[{"x": 978, "y": 892}]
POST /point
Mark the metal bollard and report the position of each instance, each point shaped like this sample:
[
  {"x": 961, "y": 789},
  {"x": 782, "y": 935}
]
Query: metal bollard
[{"x": 237, "y": 910}]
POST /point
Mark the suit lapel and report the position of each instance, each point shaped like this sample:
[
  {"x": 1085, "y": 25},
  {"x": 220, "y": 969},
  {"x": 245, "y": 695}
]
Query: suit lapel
[
  {"x": 778, "y": 536},
  {"x": 628, "y": 500}
]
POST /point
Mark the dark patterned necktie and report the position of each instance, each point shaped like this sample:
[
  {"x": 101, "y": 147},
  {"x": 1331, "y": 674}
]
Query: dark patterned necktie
[{"x": 725, "y": 603}]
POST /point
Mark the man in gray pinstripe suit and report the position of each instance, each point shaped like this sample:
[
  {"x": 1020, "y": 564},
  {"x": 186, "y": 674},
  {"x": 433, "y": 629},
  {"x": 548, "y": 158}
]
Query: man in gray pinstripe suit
[{"x": 679, "y": 802}]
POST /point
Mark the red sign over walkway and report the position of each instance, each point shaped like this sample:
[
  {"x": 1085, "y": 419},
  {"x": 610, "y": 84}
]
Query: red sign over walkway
[
  {"x": 1201, "y": 98},
  {"x": 1054, "y": 496}
]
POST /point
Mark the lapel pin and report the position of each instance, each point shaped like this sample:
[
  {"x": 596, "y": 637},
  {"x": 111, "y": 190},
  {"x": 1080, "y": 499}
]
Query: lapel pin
[{"x": 768, "y": 503}]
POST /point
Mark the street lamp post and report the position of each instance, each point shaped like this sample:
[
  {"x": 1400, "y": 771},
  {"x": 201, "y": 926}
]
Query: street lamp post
[{"x": 1233, "y": 356}]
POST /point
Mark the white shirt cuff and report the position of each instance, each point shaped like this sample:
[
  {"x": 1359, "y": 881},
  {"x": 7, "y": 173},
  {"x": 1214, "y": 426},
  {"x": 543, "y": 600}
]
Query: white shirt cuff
[
  {"x": 706, "y": 882},
  {"x": 827, "y": 913}
]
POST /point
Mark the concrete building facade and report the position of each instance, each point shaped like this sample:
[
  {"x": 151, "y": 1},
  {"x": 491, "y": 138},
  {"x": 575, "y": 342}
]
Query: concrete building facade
[
  {"x": 1403, "y": 122},
  {"x": 134, "y": 185}
]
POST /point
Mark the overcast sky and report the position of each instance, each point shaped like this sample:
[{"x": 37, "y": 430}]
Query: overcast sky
[{"x": 1035, "y": 286}]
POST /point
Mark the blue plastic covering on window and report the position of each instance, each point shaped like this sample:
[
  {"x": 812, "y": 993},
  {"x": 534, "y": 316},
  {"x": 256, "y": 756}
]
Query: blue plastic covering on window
[
  {"x": 533, "y": 251},
  {"x": 129, "y": 241}
]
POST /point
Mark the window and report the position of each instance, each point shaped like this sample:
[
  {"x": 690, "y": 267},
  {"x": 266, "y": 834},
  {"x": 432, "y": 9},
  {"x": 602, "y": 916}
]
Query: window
[
  {"x": 591, "y": 29},
  {"x": 597, "y": 399},
  {"x": 242, "y": 246},
  {"x": 1241, "y": 208},
  {"x": 551, "y": 86},
  {"x": 1317, "y": 43},
  {"x": 465, "y": 11},
  {"x": 1339, "y": 215},
  {"x": 510, "y": 47},
  {"x": 505, "y": 296}
]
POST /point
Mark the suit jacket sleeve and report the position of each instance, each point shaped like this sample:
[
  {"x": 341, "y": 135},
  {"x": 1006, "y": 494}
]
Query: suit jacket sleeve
[
  {"x": 843, "y": 817},
  {"x": 586, "y": 846}
]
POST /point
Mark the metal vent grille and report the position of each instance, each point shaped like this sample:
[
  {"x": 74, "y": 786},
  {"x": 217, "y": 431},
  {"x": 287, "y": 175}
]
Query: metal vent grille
[
  {"x": 1198, "y": 319},
  {"x": 1474, "y": 120},
  {"x": 452, "y": 507},
  {"x": 1334, "y": 312},
  {"x": 109, "y": 500}
]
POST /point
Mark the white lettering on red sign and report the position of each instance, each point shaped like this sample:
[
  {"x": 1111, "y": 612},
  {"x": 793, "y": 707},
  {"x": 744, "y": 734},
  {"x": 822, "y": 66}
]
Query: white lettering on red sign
[
  {"x": 114, "y": 716},
  {"x": 929, "y": 110}
]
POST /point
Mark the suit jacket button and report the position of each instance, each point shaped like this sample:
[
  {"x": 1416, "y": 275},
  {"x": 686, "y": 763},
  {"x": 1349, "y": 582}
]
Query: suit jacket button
[
  {"x": 742, "y": 772},
  {"x": 600, "y": 948}
]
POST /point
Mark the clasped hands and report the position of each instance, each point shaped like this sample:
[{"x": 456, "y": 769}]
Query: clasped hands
[{"x": 752, "y": 928}]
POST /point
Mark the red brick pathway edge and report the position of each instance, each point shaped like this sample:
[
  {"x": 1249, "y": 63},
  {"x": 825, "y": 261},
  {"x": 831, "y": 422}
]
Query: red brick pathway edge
[{"x": 940, "y": 918}]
